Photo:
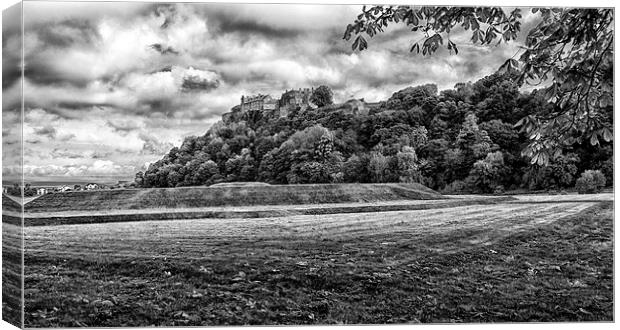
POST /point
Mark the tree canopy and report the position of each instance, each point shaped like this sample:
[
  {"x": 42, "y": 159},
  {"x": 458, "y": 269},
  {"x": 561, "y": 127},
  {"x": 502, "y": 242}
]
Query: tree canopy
[
  {"x": 455, "y": 140},
  {"x": 322, "y": 96},
  {"x": 569, "y": 53}
]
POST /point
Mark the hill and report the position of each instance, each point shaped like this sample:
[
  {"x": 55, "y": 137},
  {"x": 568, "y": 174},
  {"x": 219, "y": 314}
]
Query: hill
[
  {"x": 194, "y": 197},
  {"x": 9, "y": 204},
  {"x": 456, "y": 140}
]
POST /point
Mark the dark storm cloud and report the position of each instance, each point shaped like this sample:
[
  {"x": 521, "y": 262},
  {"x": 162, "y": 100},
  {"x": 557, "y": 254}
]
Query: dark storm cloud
[
  {"x": 164, "y": 69},
  {"x": 54, "y": 37},
  {"x": 67, "y": 33},
  {"x": 39, "y": 71},
  {"x": 162, "y": 105},
  {"x": 11, "y": 22},
  {"x": 11, "y": 72},
  {"x": 124, "y": 126},
  {"x": 65, "y": 153},
  {"x": 47, "y": 130},
  {"x": 101, "y": 154},
  {"x": 248, "y": 27},
  {"x": 168, "y": 12},
  {"x": 196, "y": 83},
  {"x": 66, "y": 137},
  {"x": 163, "y": 49},
  {"x": 77, "y": 105},
  {"x": 11, "y": 45},
  {"x": 236, "y": 77}
]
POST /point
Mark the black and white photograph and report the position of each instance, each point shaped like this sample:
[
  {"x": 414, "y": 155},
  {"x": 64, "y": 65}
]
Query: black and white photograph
[{"x": 197, "y": 164}]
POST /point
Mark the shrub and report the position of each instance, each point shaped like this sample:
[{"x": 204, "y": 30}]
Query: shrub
[
  {"x": 590, "y": 182},
  {"x": 499, "y": 190},
  {"x": 457, "y": 186},
  {"x": 486, "y": 173}
]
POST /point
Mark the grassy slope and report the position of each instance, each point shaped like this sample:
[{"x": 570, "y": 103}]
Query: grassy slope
[
  {"x": 11, "y": 261},
  {"x": 270, "y": 211},
  {"x": 471, "y": 264},
  {"x": 10, "y": 204},
  {"x": 228, "y": 196},
  {"x": 11, "y": 274}
]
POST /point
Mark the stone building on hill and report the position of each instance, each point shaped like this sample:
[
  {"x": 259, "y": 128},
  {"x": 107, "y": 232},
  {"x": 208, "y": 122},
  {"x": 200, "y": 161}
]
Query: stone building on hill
[
  {"x": 292, "y": 99},
  {"x": 266, "y": 104},
  {"x": 258, "y": 102},
  {"x": 261, "y": 105}
]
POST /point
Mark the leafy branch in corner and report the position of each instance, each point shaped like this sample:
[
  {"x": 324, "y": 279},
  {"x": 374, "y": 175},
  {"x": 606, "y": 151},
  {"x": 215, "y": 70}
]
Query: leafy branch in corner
[{"x": 569, "y": 52}]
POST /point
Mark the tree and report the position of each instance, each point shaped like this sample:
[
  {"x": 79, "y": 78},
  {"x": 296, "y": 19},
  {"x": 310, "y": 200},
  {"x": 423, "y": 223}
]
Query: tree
[
  {"x": 473, "y": 143},
  {"x": 590, "y": 182},
  {"x": 559, "y": 173},
  {"x": 355, "y": 169},
  {"x": 378, "y": 166},
  {"x": 503, "y": 134},
  {"x": 408, "y": 168},
  {"x": 139, "y": 179},
  {"x": 569, "y": 52},
  {"x": 322, "y": 96},
  {"x": 487, "y": 173},
  {"x": 437, "y": 142}
]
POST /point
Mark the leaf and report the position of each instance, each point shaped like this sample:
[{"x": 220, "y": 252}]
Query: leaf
[
  {"x": 594, "y": 140},
  {"x": 520, "y": 122},
  {"x": 363, "y": 43},
  {"x": 356, "y": 43},
  {"x": 607, "y": 135}
]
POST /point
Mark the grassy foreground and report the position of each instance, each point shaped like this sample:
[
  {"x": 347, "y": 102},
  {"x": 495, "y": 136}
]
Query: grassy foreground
[{"x": 522, "y": 262}]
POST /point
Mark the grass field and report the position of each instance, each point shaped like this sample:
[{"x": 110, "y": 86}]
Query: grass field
[
  {"x": 251, "y": 211},
  {"x": 519, "y": 260},
  {"x": 11, "y": 274},
  {"x": 191, "y": 197}
]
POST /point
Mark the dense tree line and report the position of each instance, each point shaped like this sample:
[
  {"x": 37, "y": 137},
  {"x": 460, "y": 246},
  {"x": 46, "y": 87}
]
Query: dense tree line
[{"x": 461, "y": 139}]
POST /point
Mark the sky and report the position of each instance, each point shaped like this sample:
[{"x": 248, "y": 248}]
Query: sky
[{"x": 111, "y": 87}]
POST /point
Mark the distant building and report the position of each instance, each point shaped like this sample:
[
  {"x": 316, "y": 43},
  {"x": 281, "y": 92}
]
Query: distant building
[
  {"x": 293, "y": 99},
  {"x": 64, "y": 188},
  {"x": 257, "y": 106},
  {"x": 41, "y": 191},
  {"x": 259, "y": 102},
  {"x": 289, "y": 100},
  {"x": 91, "y": 186}
]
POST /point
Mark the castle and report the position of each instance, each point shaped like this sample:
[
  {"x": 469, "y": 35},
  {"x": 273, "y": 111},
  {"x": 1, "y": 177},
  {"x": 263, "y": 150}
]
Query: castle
[
  {"x": 289, "y": 100},
  {"x": 261, "y": 105}
]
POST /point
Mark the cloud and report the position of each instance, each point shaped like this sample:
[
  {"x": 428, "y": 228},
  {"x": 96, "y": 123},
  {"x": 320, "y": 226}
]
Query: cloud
[
  {"x": 65, "y": 153},
  {"x": 164, "y": 50},
  {"x": 153, "y": 146},
  {"x": 124, "y": 125},
  {"x": 47, "y": 130},
  {"x": 96, "y": 154},
  {"x": 199, "y": 80},
  {"x": 124, "y": 82},
  {"x": 97, "y": 168}
]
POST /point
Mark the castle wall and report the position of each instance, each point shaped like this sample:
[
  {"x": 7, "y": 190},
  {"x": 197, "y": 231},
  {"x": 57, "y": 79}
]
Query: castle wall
[{"x": 288, "y": 101}]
